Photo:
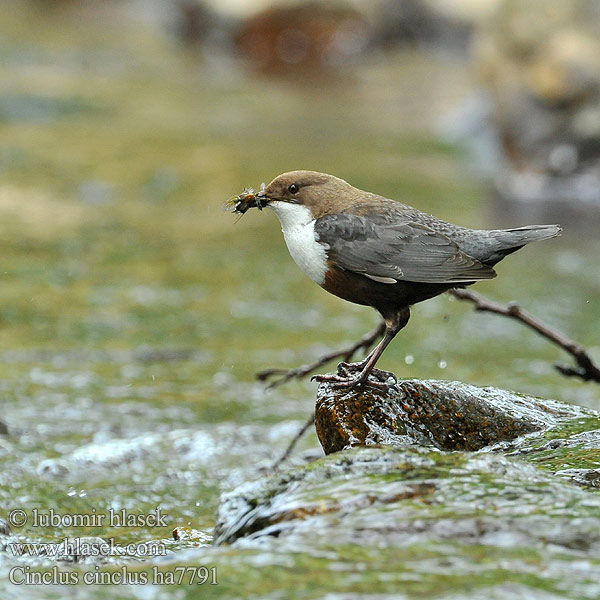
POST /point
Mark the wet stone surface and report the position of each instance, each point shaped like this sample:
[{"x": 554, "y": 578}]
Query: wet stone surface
[
  {"x": 417, "y": 516},
  {"x": 406, "y": 495},
  {"x": 513, "y": 502},
  {"x": 446, "y": 415}
]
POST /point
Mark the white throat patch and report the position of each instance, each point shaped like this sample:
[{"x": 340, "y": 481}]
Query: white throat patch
[{"x": 298, "y": 226}]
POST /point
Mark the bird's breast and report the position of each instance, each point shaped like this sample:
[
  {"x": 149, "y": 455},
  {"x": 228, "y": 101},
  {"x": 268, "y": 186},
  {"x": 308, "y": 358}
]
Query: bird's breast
[{"x": 298, "y": 226}]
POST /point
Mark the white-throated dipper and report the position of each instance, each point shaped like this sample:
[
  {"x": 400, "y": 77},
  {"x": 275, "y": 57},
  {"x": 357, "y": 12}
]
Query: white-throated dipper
[{"x": 374, "y": 251}]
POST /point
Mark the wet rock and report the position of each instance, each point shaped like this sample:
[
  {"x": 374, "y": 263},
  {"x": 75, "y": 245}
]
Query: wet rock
[
  {"x": 4, "y": 528},
  {"x": 584, "y": 477},
  {"x": 411, "y": 512},
  {"x": 189, "y": 534},
  {"x": 407, "y": 496},
  {"x": 446, "y": 415}
]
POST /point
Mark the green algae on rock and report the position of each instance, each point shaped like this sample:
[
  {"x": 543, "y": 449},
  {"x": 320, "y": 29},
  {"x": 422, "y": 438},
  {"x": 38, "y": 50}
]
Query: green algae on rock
[
  {"x": 415, "y": 518},
  {"x": 409, "y": 494}
]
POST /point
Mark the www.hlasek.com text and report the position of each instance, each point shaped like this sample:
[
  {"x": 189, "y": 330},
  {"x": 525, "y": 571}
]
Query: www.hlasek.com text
[{"x": 83, "y": 547}]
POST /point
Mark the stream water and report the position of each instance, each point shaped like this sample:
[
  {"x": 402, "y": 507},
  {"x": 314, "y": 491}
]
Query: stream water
[{"x": 134, "y": 311}]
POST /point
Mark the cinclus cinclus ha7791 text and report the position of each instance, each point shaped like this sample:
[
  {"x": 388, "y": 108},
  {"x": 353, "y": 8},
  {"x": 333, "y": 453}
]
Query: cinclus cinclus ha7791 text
[{"x": 374, "y": 251}]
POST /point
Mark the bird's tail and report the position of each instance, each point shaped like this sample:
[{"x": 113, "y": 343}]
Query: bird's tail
[
  {"x": 510, "y": 240},
  {"x": 529, "y": 233}
]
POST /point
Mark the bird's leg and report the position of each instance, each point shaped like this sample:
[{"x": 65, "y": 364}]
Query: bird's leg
[
  {"x": 393, "y": 324},
  {"x": 346, "y": 379},
  {"x": 279, "y": 376},
  {"x": 347, "y": 368}
]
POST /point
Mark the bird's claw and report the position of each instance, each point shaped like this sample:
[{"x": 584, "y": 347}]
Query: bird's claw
[
  {"x": 339, "y": 382},
  {"x": 351, "y": 375},
  {"x": 345, "y": 368}
]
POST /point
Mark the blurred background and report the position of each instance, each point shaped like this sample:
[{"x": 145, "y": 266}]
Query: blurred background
[{"x": 134, "y": 312}]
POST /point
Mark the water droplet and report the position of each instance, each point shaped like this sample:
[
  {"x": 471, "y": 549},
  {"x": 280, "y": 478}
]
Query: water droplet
[
  {"x": 71, "y": 492},
  {"x": 442, "y": 364},
  {"x": 409, "y": 359}
]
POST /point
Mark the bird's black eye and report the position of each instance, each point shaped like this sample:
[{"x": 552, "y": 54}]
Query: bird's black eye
[{"x": 294, "y": 188}]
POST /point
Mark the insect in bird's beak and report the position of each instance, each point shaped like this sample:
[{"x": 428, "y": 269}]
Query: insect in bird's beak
[
  {"x": 248, "y": 199},
  {"x": 261, "y": 198}
]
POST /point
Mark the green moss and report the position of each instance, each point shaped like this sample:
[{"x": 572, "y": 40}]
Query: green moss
[{"x": 571, "y": 428}]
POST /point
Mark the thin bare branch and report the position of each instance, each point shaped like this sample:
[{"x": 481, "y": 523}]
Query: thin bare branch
[
  {"x": 586, "y": 369},
  {"x": 346, "y": 354},
  {"x": 293, "y": 443}
]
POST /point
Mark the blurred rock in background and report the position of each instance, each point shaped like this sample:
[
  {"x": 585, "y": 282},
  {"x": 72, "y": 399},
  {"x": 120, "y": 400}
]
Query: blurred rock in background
[
  {"x": 445, "y": 27},
  {"x": 288, "y": 37},
  {"x": 539, "y": 62},
  {"x": 302, "y": 37},
  {"x": 193, "y": 21}
]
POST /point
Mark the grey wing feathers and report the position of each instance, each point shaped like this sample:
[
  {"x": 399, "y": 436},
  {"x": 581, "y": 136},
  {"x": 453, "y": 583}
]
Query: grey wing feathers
[{"x": 388, "y": 252}]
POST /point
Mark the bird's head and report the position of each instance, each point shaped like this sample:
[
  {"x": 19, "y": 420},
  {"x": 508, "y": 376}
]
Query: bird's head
[{"x": 319, "y": 192}]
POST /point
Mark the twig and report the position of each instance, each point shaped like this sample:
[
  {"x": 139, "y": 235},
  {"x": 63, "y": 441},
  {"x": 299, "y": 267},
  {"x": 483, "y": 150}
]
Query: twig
[
  {"x": 302, "y": 371},
  {"x": 346, "y": 354},
  {"x": 586, "y": 369},
  {"x": 293, "y": 443}
]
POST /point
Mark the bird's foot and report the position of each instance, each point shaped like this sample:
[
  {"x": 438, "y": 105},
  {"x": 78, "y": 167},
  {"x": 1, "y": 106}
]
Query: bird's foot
[
  {"x": 346, "y": 379},
  {"x": 347, "y": 368},
  {"x": 340, "y": 382}
]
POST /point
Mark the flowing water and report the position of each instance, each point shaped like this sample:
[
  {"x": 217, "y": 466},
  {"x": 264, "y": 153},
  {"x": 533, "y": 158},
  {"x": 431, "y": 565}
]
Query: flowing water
[{"x": 134, "y": 311}]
